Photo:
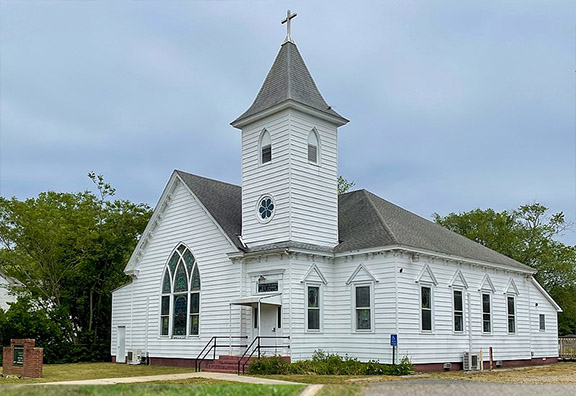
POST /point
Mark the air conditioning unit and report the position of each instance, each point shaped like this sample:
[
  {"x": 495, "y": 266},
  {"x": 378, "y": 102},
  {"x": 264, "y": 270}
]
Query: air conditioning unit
[
  {"x": 447, "y": 366},
  {"x": 134, "y": 356},
  {"x": 470, "y": 361}
]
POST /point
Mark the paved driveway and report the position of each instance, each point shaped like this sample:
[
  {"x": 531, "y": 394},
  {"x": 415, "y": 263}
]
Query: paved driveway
[{"x": 438, "y": 387}]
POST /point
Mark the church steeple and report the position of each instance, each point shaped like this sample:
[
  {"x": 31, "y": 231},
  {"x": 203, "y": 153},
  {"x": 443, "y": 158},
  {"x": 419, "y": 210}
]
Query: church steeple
[
  {"x": 288, "y": 80},
  {"x": 289, "y": 158}
]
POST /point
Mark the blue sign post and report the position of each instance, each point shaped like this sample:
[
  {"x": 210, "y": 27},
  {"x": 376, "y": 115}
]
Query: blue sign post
[{"x": 393, "y": 344}]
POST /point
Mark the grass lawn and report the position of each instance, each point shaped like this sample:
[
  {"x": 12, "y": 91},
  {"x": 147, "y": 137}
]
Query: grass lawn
[
  {"x": 156, "y": 390},
  {"x": 80, "y": 371}
]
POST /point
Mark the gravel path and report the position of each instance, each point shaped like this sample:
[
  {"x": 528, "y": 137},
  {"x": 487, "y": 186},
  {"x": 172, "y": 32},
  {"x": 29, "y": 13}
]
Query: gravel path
[{"x": 442, "y": 387}]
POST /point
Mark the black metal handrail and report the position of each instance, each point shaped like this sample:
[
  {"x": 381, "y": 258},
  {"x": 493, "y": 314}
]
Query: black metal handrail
[
  {"x": 258, "y": 348},
  {"x": 212, "y": 345}
]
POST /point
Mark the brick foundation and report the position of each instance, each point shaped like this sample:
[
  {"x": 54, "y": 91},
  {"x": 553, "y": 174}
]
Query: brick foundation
[{"x": 32, "y": 359}]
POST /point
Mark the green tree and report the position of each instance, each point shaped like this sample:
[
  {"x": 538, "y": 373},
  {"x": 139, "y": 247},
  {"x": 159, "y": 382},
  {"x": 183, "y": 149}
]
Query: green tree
[
  {"x": 344, "y": 185},
  {"x": 69, "y": 250},
  {"x": 527, "y": 235}
]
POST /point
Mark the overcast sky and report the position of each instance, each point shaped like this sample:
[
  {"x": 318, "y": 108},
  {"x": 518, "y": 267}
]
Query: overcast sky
[{"x": 452, "y": 105}]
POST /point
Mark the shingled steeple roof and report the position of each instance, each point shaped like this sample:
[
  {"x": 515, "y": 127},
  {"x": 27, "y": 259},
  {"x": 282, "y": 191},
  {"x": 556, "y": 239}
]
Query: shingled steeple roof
[{"x": 289, "y": 79}]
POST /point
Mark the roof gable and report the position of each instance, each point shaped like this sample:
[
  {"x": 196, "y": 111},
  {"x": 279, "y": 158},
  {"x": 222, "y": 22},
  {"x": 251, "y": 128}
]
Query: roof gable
[
  {"x": 458, "y": 280},
  {"x": 361, "y": 274},
  {"x": 511, "y": 287},
  {"x": 486, "y": 284},
  {"x": 222, "y": 200},
  {"x": 426, "y": 276},
  {"x": 314, "y": 275}
]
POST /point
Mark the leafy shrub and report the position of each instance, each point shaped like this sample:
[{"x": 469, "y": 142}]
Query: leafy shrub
[
  {"x": 268, "y": 365},
  {"x": 323, "y": 363}
]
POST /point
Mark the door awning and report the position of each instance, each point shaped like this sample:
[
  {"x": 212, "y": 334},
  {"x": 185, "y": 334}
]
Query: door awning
[{"x": 269, "y": 299}]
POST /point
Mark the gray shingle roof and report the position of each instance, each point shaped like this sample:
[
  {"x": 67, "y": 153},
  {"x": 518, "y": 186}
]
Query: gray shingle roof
[
  {"x": 365, "y": 221},
  {"x": 222, "y": 200},
  {"x": 288, "y": 78},
  {"x": 368, "y": 221}
]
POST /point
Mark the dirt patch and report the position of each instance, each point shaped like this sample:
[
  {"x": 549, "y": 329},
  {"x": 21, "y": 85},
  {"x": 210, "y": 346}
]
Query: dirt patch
[{"x": 558, "y": 373}]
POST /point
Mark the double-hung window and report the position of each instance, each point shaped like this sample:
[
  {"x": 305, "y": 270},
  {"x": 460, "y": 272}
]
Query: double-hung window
[
  {"x": 458, "y": 311},
  {"x": 486, "y": 313},
  {"x": 511, "y": 314},
  {"x": 426, "y": 308},
  {"x": 363, "y": 307},
  {"x": 313, "y": 308}
]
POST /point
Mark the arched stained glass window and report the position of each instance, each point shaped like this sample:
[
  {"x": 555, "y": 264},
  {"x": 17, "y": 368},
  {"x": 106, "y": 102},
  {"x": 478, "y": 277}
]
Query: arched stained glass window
[
  {"x": 181, "y": 280},
  {"x": 189, "y": 260},
  {"x": 173, "y": 262},
  {"x": 195, "y": 279},
  {"x": 180, "y": 301},
  {"x": 166, "y": 283}
]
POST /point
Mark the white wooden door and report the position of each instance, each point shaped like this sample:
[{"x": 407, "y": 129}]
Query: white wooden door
[{"x": 121, "y": 345}]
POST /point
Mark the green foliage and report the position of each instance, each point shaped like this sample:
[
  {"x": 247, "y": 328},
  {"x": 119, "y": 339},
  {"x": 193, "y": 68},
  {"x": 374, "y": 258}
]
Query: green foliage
[
  {"x": 527, "y": 235},
  {"x": 344, "y": 185},
  {"x": 69, "y": 250},
  {"x": 323, "y": 363},
  {"x": 268, "y": 365}
]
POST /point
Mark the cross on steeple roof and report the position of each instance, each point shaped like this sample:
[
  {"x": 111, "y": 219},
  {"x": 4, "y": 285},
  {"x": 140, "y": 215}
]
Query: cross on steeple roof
[{"x": 287, "y": 21}]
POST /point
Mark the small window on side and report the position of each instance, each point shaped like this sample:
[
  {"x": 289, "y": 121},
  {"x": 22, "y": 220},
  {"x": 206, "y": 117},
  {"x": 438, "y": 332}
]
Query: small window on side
[
  {"x": 458, "y": 311},
  {"x": 426, "y": 307},
  {"x": 313, "y": 147},
  {"x": 265, "y": 147},
  {"x": 542, "y": 322},
  {"x": 486, "y": 314}
]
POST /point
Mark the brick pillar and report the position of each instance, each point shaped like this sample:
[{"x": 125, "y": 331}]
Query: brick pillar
[{"x": 31, "y": 366}]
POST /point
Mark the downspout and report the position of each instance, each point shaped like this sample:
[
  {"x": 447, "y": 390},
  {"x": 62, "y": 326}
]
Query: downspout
[
  {"x": 469, "y": 329},
  {"x": 396, "y": 294},
  {"x": 526, "y": 281},
  {"x": 289, "y": 304},
  {"x": 230, "y": 329}
]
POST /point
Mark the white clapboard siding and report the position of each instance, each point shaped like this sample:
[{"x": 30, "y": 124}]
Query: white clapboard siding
[
  {"x": 136, "y": 305},
  {"x": 5, "y": 296},
  {"x": 443, "y": 344},
  {"x": 306, "y": 207}
]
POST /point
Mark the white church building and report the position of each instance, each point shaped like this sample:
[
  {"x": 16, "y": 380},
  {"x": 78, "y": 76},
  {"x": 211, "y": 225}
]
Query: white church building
[{"x": 285, "y": 265}]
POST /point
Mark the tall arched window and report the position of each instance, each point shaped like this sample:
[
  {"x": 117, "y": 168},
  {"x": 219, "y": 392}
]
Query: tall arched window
[
  {"x": 180, "y": 305},
  {"x": 265, "y": 147},
  {"x": 313, "y": 145}
]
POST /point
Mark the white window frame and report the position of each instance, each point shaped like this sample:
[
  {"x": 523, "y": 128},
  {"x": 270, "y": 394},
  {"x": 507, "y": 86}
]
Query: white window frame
[
  {"x": 261, "y": 147},
  {"x": 355, "y": 309},
  {"x": 542, "y": 321},
  {"x": 320, "y": 306},
  {"x": 491, "y": 313},
  {"x": 420, "y": 308},
  {"x": 515, "y": 315},
  {"x": 461, "y": 290},
  {"x": 313, "y": 132}
]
